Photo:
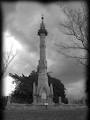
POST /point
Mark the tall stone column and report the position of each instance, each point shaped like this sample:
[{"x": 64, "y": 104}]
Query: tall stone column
[
  {"x": 43, "y": 86},
  {"x": 51, "y": 94},
  {"x": 34, "y": 94}
]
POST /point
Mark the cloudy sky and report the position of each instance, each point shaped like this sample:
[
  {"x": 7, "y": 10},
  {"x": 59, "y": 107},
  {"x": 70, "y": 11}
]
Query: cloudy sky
[{"x": 21, "y": 23}]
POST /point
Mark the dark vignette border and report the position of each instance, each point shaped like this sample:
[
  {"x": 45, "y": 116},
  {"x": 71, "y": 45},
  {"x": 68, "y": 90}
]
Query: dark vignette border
[{"x": 88, "y": 54}]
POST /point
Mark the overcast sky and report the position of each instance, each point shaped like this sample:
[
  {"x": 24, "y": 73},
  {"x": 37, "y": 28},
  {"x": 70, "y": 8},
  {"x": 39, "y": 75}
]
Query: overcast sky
[{"x": 21, "y": 23}]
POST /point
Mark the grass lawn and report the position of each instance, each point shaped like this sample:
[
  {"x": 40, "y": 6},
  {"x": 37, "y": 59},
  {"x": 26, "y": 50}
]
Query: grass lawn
[{"x": 43, "y": 114}]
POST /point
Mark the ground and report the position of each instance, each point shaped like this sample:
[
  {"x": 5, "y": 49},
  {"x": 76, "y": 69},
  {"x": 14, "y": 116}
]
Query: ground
[{"x": 41, "y": 113}]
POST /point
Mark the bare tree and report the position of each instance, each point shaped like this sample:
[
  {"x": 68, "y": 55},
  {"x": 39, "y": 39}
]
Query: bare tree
[
  {"x": 7, "y": 59},
  {"x": 75, "y": 26}
]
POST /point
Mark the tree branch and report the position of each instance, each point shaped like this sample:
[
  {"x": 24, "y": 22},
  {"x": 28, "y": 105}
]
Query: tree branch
[
  {"x": 69, "y": 47},
  {"x": 7, "y": 59},
  {"x": 76, "y": 26}
]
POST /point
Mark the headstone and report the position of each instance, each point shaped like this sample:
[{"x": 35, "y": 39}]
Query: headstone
[{"x": 59, "y": 100}]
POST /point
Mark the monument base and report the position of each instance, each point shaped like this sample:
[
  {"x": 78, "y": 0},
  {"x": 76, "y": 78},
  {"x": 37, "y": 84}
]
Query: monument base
[{"x": 37, "y": 100}]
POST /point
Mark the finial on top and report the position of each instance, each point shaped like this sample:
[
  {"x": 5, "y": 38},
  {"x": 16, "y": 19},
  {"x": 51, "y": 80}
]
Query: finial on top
[
  {"x": 42, "y": 29},
  {"x": 42, "y": 17}
]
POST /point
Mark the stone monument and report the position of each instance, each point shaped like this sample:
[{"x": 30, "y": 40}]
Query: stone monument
[{"x": 42, "y": 92}]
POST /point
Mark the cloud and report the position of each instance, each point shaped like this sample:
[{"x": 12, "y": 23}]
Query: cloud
[
  {"x": 76, "y": 89},
  {"x": 8, "y": 87}
]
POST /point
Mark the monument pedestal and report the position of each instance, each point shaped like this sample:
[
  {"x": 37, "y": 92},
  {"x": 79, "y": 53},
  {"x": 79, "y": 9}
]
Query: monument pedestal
[
  {"x": 39, "y": 100},
  {"x": 34, "y": 99}
]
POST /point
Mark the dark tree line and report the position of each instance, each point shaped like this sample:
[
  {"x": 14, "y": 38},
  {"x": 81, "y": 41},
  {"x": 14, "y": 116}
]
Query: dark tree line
[
  {"x": 58, "y": 90},
  {"x": 24, "y": 88}
]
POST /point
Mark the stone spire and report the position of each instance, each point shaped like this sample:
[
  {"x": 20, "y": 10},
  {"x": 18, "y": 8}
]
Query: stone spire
[
  {"x": 42, "y": 29},
  {"x": 42, "y": 76},
  {"x": 43, "y": 87},
  {"x": 42, "y": 32}
]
